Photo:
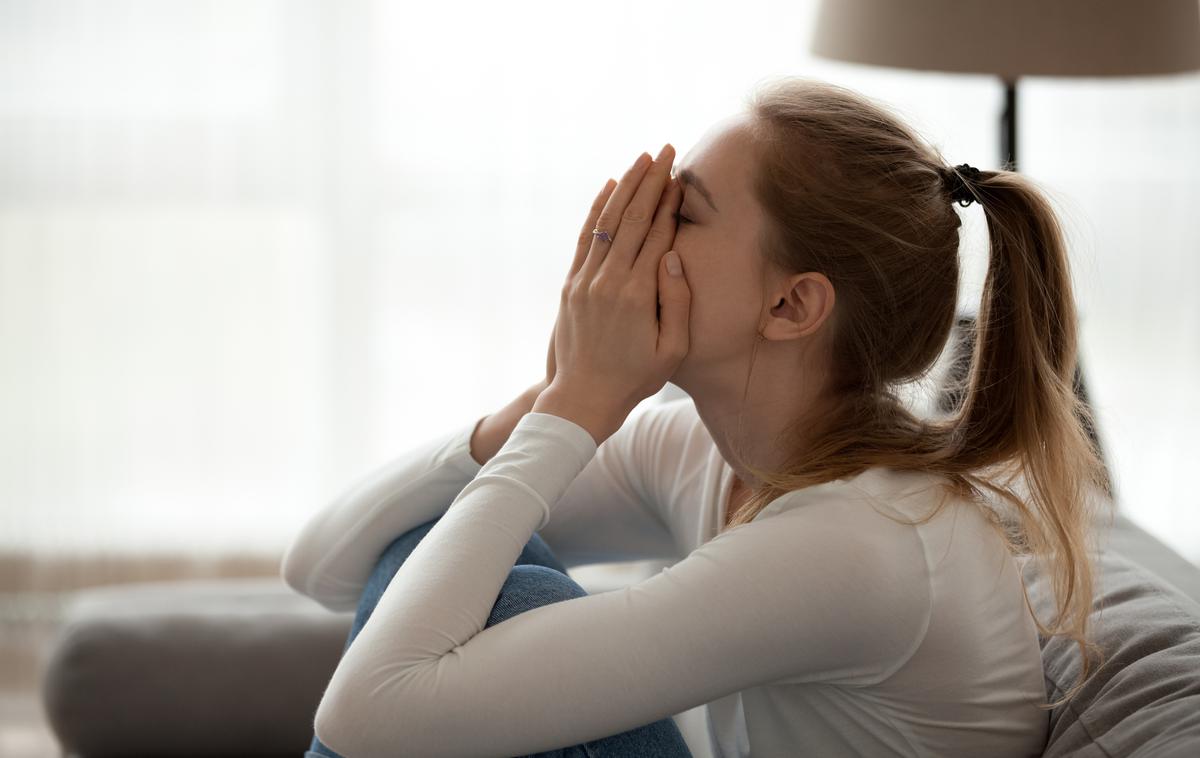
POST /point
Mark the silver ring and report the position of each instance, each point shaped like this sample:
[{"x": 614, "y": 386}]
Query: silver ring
[{"x": 601, "y": 235}]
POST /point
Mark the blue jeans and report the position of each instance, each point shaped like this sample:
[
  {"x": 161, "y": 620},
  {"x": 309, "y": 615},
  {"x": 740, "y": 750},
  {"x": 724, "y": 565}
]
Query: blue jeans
[{"x": 538, "y": 578}]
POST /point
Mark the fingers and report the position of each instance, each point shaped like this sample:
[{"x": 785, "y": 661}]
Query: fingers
[
  {"x": 661, "y": 234},
  {"x": 610, "y": 217},
  {"x": 638, "y": 215},
  {"x": 585, "y": 235}
]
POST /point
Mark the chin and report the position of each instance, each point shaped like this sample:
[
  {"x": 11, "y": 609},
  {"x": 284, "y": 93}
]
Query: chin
[{"x": 680, "y": 376}]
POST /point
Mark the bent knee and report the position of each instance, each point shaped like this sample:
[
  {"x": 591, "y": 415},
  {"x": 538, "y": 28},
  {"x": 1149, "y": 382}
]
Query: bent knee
[
  {"x": 544, "y": 581},
  {"x": 531, "y": 586}
]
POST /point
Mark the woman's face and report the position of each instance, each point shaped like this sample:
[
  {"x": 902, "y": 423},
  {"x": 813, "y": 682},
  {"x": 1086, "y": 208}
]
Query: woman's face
[{"x": 717, "y": 239}]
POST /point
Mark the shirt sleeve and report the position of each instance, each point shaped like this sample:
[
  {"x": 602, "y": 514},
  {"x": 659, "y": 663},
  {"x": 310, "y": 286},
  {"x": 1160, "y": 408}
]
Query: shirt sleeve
[{"x": 795, "y": 597}]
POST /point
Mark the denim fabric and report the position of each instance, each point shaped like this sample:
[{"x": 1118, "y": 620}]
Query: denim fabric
[{"x": 538, "y": 578}]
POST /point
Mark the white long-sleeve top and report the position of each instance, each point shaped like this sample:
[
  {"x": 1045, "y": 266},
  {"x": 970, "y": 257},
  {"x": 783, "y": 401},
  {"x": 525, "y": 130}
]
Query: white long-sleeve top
[{"x": 820, "y": 628}]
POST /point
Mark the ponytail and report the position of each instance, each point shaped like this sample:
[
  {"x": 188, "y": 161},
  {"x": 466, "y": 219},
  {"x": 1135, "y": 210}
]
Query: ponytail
[{"x": 1021, "y": 403}]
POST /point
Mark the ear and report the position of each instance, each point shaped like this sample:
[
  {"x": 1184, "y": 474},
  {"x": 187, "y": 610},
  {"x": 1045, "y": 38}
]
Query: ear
[{"x": 802, "y": 308}]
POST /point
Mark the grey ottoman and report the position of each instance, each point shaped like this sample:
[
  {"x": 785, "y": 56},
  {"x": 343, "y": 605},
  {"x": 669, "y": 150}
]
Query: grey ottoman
[{"x": 216, "y": 667}]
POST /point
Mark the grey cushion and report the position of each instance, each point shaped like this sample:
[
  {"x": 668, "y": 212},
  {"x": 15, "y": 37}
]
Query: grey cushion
[
  {"x": 1144, "y": 700},
  {"x": 1132, "y": 542}
]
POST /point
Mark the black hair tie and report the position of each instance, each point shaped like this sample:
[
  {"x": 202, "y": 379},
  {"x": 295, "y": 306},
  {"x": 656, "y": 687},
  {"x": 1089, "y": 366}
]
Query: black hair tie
[{"x": 953, "y": 180}]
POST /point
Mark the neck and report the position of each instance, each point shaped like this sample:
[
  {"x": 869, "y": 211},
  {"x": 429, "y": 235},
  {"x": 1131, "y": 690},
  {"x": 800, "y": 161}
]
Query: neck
[{"x": 780, "y": 395}]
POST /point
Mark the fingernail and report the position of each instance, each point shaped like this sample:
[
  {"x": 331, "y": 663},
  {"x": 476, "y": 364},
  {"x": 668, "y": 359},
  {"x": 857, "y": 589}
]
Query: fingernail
[
  {"x": 642, "y": 160},
  {"x": 663, "y": 152},
  {"x": 673, "y": 267}
]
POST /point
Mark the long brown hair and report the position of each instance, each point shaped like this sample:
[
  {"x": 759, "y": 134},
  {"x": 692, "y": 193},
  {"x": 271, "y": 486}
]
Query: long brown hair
[{"x": 850, "y": 191}]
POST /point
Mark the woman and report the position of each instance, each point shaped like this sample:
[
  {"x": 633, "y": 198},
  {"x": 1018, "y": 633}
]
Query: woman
[{"x": 845, "y": 584}]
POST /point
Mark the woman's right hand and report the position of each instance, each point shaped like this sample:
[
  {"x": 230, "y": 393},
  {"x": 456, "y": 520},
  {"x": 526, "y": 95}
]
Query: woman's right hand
[{"x": 581, "y": 250}]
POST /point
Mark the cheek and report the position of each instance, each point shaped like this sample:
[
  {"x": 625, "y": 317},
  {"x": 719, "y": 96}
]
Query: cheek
[
  {"x": 712, "y": 302},
  {"x": 725, "y": 299}
]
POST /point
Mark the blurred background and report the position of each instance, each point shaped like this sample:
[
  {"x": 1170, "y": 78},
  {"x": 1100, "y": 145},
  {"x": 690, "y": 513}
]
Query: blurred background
[{"x": 251, "y": 250}]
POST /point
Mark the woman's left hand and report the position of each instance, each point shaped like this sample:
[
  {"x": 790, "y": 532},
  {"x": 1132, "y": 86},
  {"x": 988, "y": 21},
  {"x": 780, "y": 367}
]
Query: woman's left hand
[{"x": 611, "y": 348}]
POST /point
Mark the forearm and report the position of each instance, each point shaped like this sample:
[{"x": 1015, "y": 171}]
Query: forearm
[{"x": 491, "y": 432}]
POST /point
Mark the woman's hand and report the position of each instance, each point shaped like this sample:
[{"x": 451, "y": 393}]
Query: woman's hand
[
  {"x": 610, "y": 349},
  {"x": 581, "y": 249}
]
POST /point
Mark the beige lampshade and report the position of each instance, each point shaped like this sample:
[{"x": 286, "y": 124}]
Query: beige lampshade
[{"x": 1013, "y": 38}]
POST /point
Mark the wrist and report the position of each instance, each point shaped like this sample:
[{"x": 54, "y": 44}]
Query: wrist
[
  {"x": 599, "y": 419},
  {"x": 492, "y": 431}
]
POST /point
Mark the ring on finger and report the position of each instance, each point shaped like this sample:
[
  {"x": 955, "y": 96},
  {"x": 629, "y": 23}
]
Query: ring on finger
[{"x": 604, "y": 236}]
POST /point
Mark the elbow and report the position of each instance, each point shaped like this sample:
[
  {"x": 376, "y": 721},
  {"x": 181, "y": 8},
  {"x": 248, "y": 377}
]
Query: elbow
[
  {"x": 349, "y": 718},
  {"x": 291, "y": 574},
  {"x": 340, "y": 724},
  {"x": 346, "y": 724},
  {"x": 335, "y": 602},
  {"x": 296, "y": 571},
  {"x": 321, "y": 727},
  {"x": 329, "y": 732}
]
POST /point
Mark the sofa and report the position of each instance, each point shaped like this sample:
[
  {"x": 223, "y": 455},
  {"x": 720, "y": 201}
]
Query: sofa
[{"x": 237, "y": 666}]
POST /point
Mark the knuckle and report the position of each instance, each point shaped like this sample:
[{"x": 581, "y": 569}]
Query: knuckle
[
  {"x": 635, "y": 214},
  {"x": 657, "y": 234},
  {"x": 576, "y": 287},
  {"x": 601, "y": 286}
]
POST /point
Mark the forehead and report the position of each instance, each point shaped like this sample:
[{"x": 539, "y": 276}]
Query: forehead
[{"x": 720, "y": 158}]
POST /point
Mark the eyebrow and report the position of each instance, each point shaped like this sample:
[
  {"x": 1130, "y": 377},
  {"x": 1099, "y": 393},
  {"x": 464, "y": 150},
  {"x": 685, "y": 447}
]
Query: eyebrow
[{"x": 687, "y": 176}]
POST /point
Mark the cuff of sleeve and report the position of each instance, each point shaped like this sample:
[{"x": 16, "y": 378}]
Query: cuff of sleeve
[
  {"x": 580, "y": 439},
  {"x": 544, "y": 453}
]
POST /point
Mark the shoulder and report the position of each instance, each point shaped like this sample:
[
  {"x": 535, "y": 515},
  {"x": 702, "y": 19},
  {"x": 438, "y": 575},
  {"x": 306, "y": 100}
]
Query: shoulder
[
  {"x": 885, "y": 491},
  {"x": 867, "y": 520},
  {"x": 856, "y": 582}
]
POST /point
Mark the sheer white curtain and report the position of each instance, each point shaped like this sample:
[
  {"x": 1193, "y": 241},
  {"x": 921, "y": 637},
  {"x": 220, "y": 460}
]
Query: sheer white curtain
[{"x": 250, "y": 250}]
